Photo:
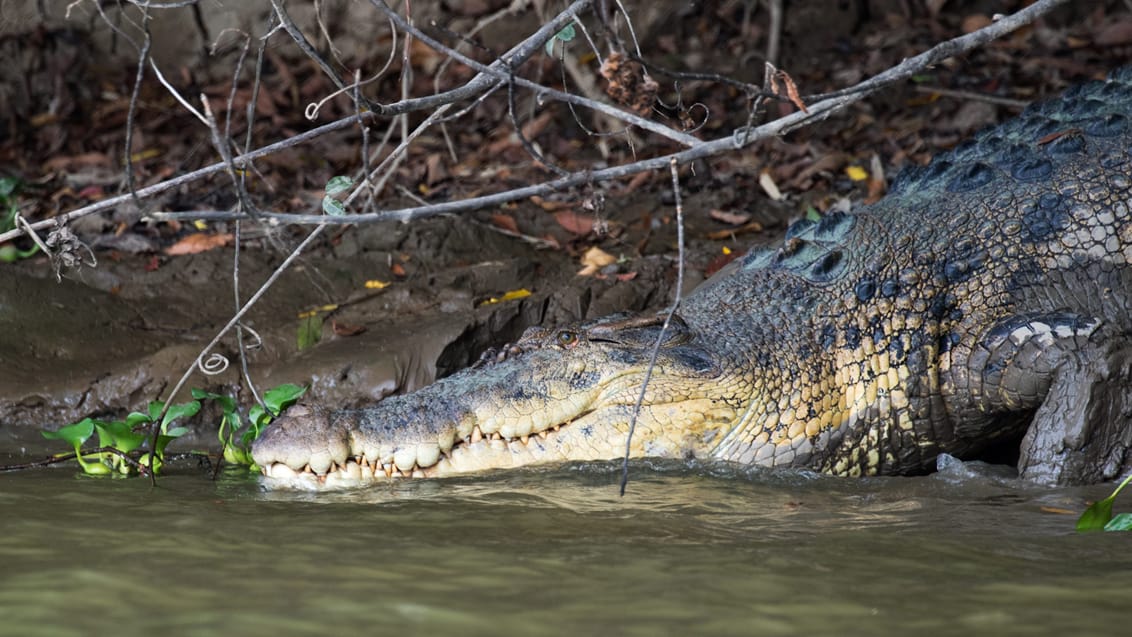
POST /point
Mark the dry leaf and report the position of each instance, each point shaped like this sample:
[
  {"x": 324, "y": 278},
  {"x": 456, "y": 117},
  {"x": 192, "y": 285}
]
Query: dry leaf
[
  {"x": 198, "y": 242},
  {"x": 720, "y": 235},
  {"x": 629, "y": 84},
  {"x": 597, "y": 256},
  {"x": 511, "y": 295},
  {"x": 580, "y": 225},
  {"x": 397, "y": 269},
  {"x": 505, "y": 222},
  {"x": 435, "y": 171},
  {"x": 975, "y": 21},
  {"x": 730, "y": 218},
  {"x": 856, "y": 173},
  {"x": 533, "y": 128},
  {"x": 594, "y": 260},
  {"x": 637, "y": 181},
  {"x": 72, "y": 163},
  {"x": 769, "y": 187},
  {"x": 792, "y": 91},
  {"x": 345, "y": 329},
  {"x": 551, "y": 205},
  {"x": 1117, "y": 33}
]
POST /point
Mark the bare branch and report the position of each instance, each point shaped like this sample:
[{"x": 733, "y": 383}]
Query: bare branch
[
  {"x": 474, "y": 88},
  {"x": 738, "y": 139}
]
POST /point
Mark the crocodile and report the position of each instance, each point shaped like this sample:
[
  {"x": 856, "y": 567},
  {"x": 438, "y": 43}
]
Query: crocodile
[{"x": 983, "y": 303}]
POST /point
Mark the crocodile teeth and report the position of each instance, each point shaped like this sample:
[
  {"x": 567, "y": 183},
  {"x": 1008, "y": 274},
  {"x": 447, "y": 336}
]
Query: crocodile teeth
[
  {"x": 477, "y": 434},
  {"x": 280, "y": 470},
  {"x": 524, "y": 439},
  {"x": 388, "y": 469},
  {"x": 427, "y": 454},
  {"x": 405, "y": 458},
  {"x": 542, "y": 434},
  {"x": 445, "y": 441},
  {"x": 352, "y": 470}
]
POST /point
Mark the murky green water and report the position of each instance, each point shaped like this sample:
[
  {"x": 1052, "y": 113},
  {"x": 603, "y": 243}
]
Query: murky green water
[{"x": 554, "y": 553}]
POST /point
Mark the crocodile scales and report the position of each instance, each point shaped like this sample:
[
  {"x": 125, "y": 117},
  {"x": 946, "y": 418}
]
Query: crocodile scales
[{"x": 985, "y": 299}]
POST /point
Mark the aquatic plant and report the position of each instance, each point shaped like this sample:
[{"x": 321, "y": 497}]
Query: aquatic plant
[
  {"x": 1099, "y": 517},
  {"x": 120, "y": 440},
  {"x": 235, "y": 438}
]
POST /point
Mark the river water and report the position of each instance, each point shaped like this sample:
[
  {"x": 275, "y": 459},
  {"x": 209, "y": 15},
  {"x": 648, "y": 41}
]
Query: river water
[{"x": 688, "y": 551}]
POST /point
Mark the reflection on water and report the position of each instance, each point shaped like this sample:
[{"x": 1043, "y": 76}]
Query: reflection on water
[{"x": 551, "y": 552}]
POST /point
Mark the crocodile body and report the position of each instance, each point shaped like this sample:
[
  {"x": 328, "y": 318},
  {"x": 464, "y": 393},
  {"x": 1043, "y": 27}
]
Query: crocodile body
[{"x": 985, "y": 299}]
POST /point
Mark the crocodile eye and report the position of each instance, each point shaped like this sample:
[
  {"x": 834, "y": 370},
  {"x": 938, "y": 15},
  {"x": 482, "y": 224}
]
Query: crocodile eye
[{"x": 566, "y": 338}]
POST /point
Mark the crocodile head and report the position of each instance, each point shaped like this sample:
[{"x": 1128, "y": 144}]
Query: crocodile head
[{"x": 555, "y": 396}]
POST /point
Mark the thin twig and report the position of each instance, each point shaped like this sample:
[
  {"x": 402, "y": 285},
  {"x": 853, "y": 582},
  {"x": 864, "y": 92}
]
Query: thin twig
[
  {"x": 71, "y": 455},
  {"x": 474, "y": 87},
  {"x": 972, "y": 96},
  {"x": 304, "y": 45},
  {"x": 737, "y": 140},
  {"x": 131, "y": 113},
  {"x": 526, "y": 143},
  {"x": 231, "y": 323},
  {"x": 543, "y": 91},
  {"x": 663, "y": 328}
]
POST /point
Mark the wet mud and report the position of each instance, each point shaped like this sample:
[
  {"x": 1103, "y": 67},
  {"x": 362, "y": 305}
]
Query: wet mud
[{"x": 106, "y": 340}]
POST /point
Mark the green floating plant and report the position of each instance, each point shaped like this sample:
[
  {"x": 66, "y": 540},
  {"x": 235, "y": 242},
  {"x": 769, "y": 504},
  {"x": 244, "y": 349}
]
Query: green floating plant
[
  {"x": 117, "y": 439},
  {"x": 1099, "y": 517},
  {"x": 236, "y": 438},
  {"x": 120, "y": 440}
]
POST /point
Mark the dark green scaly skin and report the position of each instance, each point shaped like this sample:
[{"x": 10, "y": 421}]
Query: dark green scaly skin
[{"x": 986, "y": 297}]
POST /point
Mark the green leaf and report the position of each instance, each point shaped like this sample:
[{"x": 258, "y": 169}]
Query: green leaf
[
  {"x": 144, "y": 459},
  {"x": 237, "y": 456},
  {"x": 1122, "y": 522},
  {"x": 137, "y": 418},
  {"x": 812, "y": 214},
  {"x": 279, "y": 398},
  {"x": 162, "y": 442},
  {"x": 565, "y": 35},
  {"x": 249, "y": 436},
  {"x": 1096, "y": 516},
  {"x": 75, "y": 434},
  {"x": 120, "y": 435},
  {"x": 333, "y": 207},
  {"x": 94, "y": 468},
  {"x": 310, "y": 331},
  {"x": 183, "y": 410},
  {"x": 154, "y": 409},
  {"x": 1100, "y": 513},
  {"x": 227, "y": 403},
  {"x": 8, "y": 186},
  {"x": 258, "y": 416},
  {"x": 177, "y": 432},
  {"x": 338, "y": 185}
]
